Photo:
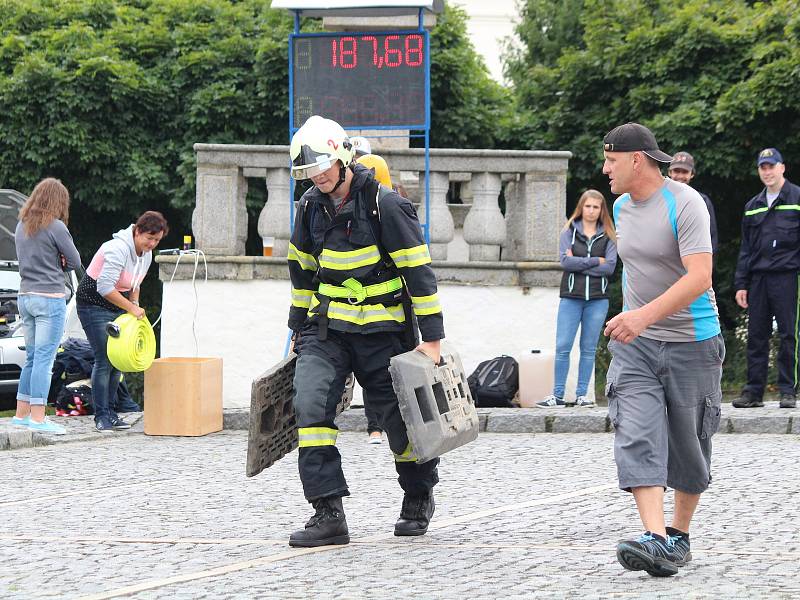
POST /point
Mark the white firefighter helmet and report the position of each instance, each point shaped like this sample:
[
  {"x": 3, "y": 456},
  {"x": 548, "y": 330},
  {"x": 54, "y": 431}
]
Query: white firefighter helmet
[
  {"x": 316, "y": 147},
  {"x": 361, "y": 145}
]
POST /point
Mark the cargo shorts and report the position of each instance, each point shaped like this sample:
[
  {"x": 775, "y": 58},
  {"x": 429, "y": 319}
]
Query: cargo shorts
[{"x": 664, "y": 402}]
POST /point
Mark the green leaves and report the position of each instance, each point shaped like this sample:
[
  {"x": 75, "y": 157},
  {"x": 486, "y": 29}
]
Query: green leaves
[{"x": 110, "y": 95}]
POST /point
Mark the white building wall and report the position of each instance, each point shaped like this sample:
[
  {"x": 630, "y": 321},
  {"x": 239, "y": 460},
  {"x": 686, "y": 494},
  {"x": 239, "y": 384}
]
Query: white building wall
[
  {"x": 244, "y": 322},
  {"x": 490, "y": 22}
]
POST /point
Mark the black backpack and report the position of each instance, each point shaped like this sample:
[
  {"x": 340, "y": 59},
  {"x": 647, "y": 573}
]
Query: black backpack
[{"x": 495, "y": 382}]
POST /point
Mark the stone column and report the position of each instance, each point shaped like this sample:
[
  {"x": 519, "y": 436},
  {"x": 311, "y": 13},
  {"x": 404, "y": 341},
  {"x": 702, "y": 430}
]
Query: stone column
[
  {"x": 273, "y": 221},
  {"x": 219, "y": 220},
  {"x": 441, "y": 227},
  {"x": 484, "y": 227}
]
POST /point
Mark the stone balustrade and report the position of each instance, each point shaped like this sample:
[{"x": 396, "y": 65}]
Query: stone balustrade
[{"x": 533, "y": 184}]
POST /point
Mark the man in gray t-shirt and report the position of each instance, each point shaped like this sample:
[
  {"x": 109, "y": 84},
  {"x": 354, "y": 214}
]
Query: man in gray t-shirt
[{"x": 663, "y": 384}]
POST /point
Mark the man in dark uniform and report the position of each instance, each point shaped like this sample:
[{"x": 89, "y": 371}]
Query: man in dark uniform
[
  {"x": 682, "y": 169},
  {"x": 767, "y": 280},
  {"x": 361, "y": 277}
]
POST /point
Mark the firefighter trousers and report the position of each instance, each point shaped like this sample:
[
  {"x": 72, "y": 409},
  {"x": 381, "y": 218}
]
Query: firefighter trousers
[
  {"x": 320, "y": 374},
  {"x": 772, "y": 295}
]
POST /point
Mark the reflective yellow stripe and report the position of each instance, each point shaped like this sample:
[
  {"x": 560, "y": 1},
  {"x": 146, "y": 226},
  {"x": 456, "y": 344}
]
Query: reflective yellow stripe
[
  {"x": 351, "y": 259},
  {"x": 411, "y": 257},
  {"x": 755, "y": 211},
  {"x": 301, "y": 298},
  {"x": 307, "y": 261},
  {"x": 426, "y": 305},
  {"x": 317, "y": 436},
  {"x": 361, "y": 314},
  {"x": 407, "y": 455}
]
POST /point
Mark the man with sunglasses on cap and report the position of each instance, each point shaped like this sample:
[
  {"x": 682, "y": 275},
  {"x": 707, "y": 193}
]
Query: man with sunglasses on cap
[
  {"x": 767, "y": 280},
  {"x": 663, "y": 384},
  {"x": 682, "y": 169}
]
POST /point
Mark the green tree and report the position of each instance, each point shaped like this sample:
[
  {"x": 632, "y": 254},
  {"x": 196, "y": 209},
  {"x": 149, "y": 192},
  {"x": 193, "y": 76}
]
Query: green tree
[
  {"x": 111, "y": 95},
  {"x": 717, "y": 78}
]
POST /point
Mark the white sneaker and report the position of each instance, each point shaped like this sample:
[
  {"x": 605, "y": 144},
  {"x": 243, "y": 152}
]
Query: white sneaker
[
  {"x": 375, "y": 438},
  {"x": 551, "y": 401},
  {"x": 584, "y": 401}
]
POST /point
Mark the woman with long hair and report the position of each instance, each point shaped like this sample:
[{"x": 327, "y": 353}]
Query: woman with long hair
[
  {"x": 44, "y": 250},
  {"x": 109, "y": 288},
  {"x": 588, "y": 254}
]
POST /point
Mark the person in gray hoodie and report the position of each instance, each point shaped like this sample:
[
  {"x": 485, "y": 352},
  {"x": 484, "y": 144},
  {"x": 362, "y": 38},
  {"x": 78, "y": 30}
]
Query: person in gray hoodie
[
  {"x": 44, "y": 250},
  {"x": 588, "y": 253},
  {"x": 110, "y": 288}
]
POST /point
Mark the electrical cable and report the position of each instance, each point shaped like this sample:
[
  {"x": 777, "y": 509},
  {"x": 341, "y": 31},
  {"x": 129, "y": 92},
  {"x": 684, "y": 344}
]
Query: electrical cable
[{"x": 198, "y": 254}]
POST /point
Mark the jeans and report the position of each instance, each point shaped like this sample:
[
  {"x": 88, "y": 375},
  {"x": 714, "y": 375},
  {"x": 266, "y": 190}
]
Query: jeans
[
  {"x": 105, "y": 378},
  {"x": 43, "y": 327},
  {"x": 590, "y": 314}
]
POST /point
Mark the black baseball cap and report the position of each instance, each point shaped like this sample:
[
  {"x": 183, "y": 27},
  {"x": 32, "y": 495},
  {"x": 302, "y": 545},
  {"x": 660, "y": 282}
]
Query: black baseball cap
[{"x": 633, "y": 137}]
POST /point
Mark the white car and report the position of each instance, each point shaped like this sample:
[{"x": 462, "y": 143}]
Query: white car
[{"x": 12, "y": 340}]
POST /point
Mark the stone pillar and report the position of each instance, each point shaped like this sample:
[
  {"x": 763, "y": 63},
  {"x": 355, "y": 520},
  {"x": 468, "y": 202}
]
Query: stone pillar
[
  {"x": 441, "y": 228},
  {"x": 273, "y": 221},
  {"x": 535, "y": 214},
  {"x": 484, "y": 227},
  {"x": 219, "y": 220}
]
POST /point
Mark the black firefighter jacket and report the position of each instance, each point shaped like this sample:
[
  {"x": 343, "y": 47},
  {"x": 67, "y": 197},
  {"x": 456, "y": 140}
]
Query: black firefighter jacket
[{"x": 339, "y": 247}]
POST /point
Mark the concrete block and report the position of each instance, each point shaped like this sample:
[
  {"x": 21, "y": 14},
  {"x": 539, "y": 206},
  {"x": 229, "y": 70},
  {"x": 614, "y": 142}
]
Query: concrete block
[
  {"x": 273, "y": 427},
  {"x": 594, "y": 423},
  {"x": 516, "y": 421},
  {"x": 236, "y": 418},
  {"x": 757, "y": 424},
  {"x": 435, "y": 402},
  {"x": 17, "y": 437}
]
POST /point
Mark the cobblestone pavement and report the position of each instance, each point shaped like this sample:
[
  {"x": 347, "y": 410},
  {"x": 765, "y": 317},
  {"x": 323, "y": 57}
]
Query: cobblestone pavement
[{"x": 518, "y": 516}]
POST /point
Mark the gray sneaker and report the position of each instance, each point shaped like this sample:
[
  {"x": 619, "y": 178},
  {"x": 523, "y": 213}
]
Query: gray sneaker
[
  {"x": 551, "y": 401},
  {"x": 584, "y": 401}
]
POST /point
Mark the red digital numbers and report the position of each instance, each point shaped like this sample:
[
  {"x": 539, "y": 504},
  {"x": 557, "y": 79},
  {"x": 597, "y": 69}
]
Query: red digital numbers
[
  {"x": 394, "y": 53},
  {"x": 417, "y": 51}
]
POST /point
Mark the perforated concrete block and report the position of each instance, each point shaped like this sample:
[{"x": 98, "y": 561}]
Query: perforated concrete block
[
  {"x": 273, "y": 427},
  {"x": 435, "y": 402}
]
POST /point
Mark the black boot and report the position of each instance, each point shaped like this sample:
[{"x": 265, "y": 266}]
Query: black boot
[
  {"x": 415, "y": 515},
  {"x": 327, "y": 526},
  {"x": 747, "y": 400}
]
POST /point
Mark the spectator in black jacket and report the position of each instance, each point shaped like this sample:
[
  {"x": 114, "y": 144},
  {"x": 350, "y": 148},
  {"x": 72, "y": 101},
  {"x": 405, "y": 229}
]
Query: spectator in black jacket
[
  {"x": 767, "y": 280},
  {"x": 682, "y": 169}
]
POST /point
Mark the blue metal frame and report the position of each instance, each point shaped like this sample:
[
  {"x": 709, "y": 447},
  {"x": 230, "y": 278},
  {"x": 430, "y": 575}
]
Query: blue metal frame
[{"x": 426, "y": 127}]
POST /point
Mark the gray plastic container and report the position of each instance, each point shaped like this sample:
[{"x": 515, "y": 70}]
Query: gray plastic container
[{"x": 435, "y": 402}]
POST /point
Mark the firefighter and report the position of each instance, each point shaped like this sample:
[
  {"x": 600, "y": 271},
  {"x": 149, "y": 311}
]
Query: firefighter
[{"x": 361, "y": 278}]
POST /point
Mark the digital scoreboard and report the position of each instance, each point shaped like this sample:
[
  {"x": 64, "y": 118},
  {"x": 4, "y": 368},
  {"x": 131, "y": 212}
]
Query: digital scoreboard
[{"x": 360, "y": 80}]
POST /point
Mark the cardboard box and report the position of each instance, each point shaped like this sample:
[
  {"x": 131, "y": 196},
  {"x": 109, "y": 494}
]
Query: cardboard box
[{"x": 183, "y": 396}]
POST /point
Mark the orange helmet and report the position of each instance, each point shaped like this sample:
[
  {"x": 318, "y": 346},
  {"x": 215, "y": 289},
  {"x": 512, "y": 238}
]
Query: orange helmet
[{"x": 378, "y": 166}]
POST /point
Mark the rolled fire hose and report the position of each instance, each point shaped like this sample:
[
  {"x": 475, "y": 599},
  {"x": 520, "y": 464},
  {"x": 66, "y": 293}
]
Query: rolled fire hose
[{"x": 131, "y": 343}]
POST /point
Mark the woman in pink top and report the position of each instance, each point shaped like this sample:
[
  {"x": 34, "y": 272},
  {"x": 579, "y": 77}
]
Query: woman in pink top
[{"x": 110, "y": 288}]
